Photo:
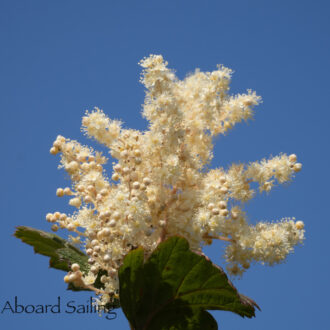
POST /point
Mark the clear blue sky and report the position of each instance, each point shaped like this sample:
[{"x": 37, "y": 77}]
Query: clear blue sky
[{"x": 59, "y": 58}]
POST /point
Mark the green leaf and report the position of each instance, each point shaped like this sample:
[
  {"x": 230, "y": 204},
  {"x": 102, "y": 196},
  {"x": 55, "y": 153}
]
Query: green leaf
[
  {"x": 62, "y": 254},
  {"x": 174, "y": 288}
]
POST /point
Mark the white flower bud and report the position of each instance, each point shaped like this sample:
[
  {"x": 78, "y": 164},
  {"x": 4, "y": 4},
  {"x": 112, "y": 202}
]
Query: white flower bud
[
  {"x": 57, "y": 144},
  {"x": 116, "y": 215},
  {"x": 80, "y": 188},
  {"x": 73, "y": 277},
  {"x": 55, "y": 228},
  {"x": 49, "y": 216},
  {"x": 79, "y": 274},
  {"x": 106, "y": 231},
  {"x": 104, "y": 279},
  {"x": 224, "y": 190},
  {"x": 75, "y": 267},
  {"x": 99, "y": 235},
  {"x": 138, "y": 160},
  {"x": 137, "y": 152},
  {"x": 60, "y": 138},
  {"x": 115, "y": 177},
  {"x": 89, "y": 252},
  {"x": 59, "y": 192},
  {"x": 117, "y": 168},
  {"x": 67, "y": 191},
  {"x": 53, "y": 150},
  {"x": 300, "y": 225},
  {"x": 126, "y": 170},
  {"x": 136, "y": 185},
  {"x": 72, "y": 167},
  {"x": 76, "y": 202},
  {"x": 224, "y": 212},
  {"x": 292, "y": 158},
  {"x": 104, "y": 192},
  {"x": 105, "y": 215},
  {"x": 91, "y": 261},
  {"x": 91, "y": 233},
  {"x": 94, "y": 242},
  {"x": 106, "y": 258},
  {"x": 143, "y": 186},
  {"x": 246, "y": 265},
  {"x": 222, "y": 204},
  {"x": 124, "y": 154},
  {"x": 97, "y": 248},
  {"x": 88, "y": 199},
  {"x": 112, "y": 223},
  {"x": 146, "y": 181},
  {"x": 215, "y": 211},
  {"x": 297, "y": 167},
  {"x": 71, "y": 227},
  {"x": 112, "y": 272},
  {"x": 94, "y": 269},
  {"x": 210, "y": 206}
]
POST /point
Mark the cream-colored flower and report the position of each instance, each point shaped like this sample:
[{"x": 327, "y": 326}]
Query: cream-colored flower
[{"x": 160, "y": 185}]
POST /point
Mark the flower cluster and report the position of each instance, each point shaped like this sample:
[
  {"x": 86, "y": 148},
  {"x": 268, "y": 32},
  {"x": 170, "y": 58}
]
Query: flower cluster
[{"x": 159, "y": 185}]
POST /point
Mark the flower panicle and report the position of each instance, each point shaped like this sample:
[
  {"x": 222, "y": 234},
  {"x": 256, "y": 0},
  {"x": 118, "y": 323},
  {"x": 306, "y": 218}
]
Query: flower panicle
[{"x": 159, "y": 186}]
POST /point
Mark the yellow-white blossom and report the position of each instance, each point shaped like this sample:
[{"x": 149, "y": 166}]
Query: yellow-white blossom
[{"x": 160, "y": 186}]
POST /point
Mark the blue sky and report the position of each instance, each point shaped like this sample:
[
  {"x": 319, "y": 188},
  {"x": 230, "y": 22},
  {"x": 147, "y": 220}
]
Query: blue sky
[{"x": 59, "y": 58}]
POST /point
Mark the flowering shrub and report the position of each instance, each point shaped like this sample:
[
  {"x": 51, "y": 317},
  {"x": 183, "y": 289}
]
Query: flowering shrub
[{"x": 160, "y": 186}]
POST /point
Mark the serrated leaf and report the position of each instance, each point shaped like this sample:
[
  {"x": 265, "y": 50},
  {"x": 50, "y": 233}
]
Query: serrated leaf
[
  {"x": 174, "y": 288},
  {"x": 62, "y": 254}
]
